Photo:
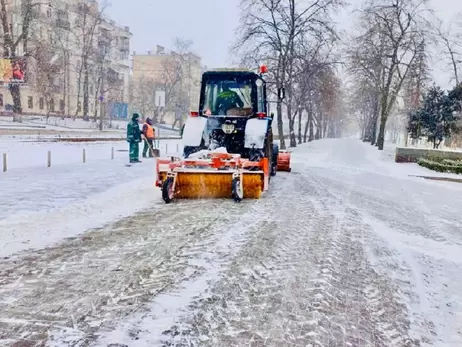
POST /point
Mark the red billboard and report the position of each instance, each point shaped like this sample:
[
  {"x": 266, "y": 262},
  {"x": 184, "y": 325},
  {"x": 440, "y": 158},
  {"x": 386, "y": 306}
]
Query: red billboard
[{"x": 12, "y": 70}]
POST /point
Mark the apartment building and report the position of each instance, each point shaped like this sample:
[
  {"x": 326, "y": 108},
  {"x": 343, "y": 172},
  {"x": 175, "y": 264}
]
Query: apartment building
[
  {"x": 76, "y": 58},
  {"x": 161, "y": 70}
]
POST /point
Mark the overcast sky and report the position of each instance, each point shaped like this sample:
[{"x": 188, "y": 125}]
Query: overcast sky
[{"x": 211, "y": 25}]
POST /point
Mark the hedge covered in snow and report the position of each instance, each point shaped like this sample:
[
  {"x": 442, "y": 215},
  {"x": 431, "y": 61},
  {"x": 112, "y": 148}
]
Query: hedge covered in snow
[{"x": 441, "y": 165}]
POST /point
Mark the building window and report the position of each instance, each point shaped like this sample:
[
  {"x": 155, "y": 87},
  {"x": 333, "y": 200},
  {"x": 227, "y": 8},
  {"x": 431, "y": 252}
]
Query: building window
[
  {"x": 52, "y": 105},
  {"x": 41, "y": 103},
  {"x": 61, "y": 105},
  {"x": 30, "y": 102},
  {"x": 49, "y": 13},
  {"x": 1, "y": 100}
]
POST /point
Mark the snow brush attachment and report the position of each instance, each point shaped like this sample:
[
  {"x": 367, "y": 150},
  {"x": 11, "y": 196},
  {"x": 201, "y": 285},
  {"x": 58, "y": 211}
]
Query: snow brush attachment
[
  {"x": 202, "y": 185},
  {"x": 217, "y": 176},
  {"x": 283, "y": 163}
]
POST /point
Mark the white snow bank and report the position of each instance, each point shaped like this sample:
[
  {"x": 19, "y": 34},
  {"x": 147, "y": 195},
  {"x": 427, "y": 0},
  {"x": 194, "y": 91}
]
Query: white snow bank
[{"x": 42, "y": 207}]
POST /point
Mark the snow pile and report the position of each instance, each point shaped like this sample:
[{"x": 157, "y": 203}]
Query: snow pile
[{"x": 205, "y": 154}]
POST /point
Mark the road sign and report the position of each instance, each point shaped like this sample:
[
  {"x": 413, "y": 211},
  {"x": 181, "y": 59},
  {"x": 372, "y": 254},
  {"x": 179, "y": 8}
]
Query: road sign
[{"x": 160, "y": 98}]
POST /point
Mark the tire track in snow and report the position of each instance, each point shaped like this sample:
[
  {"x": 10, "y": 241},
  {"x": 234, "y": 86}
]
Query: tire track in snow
[
  {"x": 302, "y": 279},
  {"x": 222, "y": 248},
  {"x": 68, "y": 292}
]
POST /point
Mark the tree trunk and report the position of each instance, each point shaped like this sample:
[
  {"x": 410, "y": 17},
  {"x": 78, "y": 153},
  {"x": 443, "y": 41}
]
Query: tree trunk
[
  {"x": 311, "y": 136},
  {"x": 307, "y": 125},
  {"x": 375, "y": 118},
  {"x": 318, "y": 133},
  {"x": 293, "y": 140},
  {"x": 15, "y": 90},
  {"x": 282, "y": 142},
  {"x": 86, "y": 88},
  {"x": 383, "y": 122},
  {"x": 300, "y": 126},
  {"x": 324, "y": 129}
]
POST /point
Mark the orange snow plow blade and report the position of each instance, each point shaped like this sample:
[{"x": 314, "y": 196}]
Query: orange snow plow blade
[
  {"x": 284, "y": 161},
  {"x": 215, "y": 177}
]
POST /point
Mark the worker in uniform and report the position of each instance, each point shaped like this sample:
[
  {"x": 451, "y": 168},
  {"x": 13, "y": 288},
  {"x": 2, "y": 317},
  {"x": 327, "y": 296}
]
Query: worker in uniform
[
  {"x": 148, "y": 134},
  {"x": 227, "y": 100},
  {"x": 134, "y": 138}
]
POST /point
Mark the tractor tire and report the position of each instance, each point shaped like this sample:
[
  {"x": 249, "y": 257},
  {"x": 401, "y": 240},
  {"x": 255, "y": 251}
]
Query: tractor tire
[
  {"x": 274, "y": 161},
  {"x": 237, "y": 192},
  {"x": 167, "y": 190}
]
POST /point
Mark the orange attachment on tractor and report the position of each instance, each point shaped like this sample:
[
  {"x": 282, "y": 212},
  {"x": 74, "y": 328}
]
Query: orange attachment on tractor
[
  {"x": 283, "y": 163},
  {"x": 218, "y": 175}
]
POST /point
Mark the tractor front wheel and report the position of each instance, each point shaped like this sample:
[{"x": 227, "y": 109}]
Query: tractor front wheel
[
  {"x": 237, "y": 191},
  {"x": 167, "y": 190}
]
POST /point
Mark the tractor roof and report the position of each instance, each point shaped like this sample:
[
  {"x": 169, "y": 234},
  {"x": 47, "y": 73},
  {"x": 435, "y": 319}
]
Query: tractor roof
[{"x": 231, "y": 72}]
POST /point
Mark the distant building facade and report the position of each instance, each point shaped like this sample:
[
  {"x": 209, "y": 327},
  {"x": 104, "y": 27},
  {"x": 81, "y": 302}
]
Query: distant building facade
[
  {"x": 178, "y": 75},
  {"x": 78, "y": 60}
]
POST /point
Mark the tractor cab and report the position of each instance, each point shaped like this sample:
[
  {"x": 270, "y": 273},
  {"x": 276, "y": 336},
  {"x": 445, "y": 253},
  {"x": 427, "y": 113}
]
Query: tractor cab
[
  {"x": 232, "y": 93},
  {"x": 233, "y": 108}
]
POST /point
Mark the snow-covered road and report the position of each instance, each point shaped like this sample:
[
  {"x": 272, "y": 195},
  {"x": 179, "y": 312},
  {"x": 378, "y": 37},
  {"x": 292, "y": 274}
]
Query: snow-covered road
[{"x": 347, "y": 250}]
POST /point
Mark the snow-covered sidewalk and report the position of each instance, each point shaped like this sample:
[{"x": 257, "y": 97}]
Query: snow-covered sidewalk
[
  {"x": 45, "y": 205},
  {"x": 32, "y": 155}
]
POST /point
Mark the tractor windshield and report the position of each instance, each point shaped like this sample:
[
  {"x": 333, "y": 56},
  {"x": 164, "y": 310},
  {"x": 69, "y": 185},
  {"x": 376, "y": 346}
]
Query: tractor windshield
[{"x": 228, "y": 97}]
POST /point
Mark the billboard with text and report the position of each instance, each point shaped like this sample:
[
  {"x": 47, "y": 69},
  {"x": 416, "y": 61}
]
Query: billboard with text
[{"x": 12, "y": 70}]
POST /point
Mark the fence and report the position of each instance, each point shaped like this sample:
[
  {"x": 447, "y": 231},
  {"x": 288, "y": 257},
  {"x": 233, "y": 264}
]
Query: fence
[{"x": 46, "y": 157}]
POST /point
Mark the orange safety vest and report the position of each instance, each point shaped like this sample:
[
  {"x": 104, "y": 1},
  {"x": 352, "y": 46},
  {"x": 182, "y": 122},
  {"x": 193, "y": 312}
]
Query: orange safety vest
[{"x": 149, "y": 131}]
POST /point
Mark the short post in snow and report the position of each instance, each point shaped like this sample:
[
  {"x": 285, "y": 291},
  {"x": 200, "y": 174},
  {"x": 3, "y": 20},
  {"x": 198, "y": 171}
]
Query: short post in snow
[
  {"x": 49, "y": 159},
  {"x": 84, "y": 157},
  {"x": 112, "y": 153},
  {"x": 177, "y": 147},
  {"x": 166, "y": 148},
  {"x": 5, "y": 163}
]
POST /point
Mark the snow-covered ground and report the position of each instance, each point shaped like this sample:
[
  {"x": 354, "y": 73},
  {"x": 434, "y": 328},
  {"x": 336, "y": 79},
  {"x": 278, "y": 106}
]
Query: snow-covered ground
[{"x": 346, "y": 250}]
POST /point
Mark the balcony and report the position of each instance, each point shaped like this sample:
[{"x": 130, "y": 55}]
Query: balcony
[
  {"x": 63, "y": 24},
  {"x": 105, "y": 35}
]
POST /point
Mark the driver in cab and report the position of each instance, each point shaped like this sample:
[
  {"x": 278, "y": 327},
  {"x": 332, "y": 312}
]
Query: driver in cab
[{"x": 227, "y": 100}]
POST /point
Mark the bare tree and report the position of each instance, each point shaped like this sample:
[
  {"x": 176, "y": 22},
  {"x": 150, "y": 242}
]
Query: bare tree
[
  {"x": 48, "y": 66},
  {"x": 272, "y": 31},
  {"x": 450, "y": 40},
  {"x": 401, "y": 27},
  {"x": 89, "y": 20},
  {"x": 142, "y": 95}
]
